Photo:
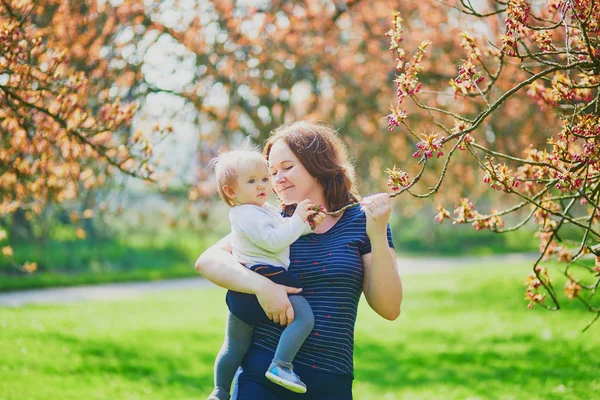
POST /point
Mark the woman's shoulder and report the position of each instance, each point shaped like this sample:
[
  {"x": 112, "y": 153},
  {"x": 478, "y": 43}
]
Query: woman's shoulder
[
  {"x": 355, "y": 215},
  {"x": 353, "y": 220}
]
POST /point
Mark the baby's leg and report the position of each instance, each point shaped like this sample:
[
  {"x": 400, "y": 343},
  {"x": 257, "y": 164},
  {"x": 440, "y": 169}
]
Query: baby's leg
[
  {"x": 238, "y": 337},
  {"x": 294, "y": 335}
]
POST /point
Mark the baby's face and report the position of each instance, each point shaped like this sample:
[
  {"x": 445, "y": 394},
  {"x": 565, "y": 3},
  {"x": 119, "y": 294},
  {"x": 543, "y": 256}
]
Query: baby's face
[{"x": 253, "y": 186}]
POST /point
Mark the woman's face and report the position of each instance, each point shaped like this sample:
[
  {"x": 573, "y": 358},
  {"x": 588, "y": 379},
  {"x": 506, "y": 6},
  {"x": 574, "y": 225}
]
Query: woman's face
[{"x": 291, "y": 181}]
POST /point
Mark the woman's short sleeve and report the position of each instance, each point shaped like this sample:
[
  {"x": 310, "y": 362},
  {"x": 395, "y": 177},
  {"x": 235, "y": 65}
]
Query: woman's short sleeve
[{"x": 365, "y": 246}]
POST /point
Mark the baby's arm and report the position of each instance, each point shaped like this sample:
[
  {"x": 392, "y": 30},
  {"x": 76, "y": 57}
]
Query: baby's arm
[
  {"x": 219, "y": 266},
  {"x": 263, "y": 231}
]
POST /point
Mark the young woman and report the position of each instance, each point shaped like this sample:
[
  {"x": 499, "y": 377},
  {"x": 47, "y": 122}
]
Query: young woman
[{"x": 346, "y": 256}]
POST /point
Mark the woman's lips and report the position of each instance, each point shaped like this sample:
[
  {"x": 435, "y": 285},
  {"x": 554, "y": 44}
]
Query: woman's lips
[{"x": 286, "y": 188}]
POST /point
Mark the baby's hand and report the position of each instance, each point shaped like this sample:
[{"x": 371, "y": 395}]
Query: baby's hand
[
  {"x": 315, "y": 219},
  {"x": 304, "y": 210}
]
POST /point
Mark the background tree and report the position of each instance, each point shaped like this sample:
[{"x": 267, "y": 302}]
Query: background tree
[
  {"x": 59, "y": 137},
  {"x": 551, "y": 54},
  {"x": 258, "y": 67},
  {"x": 241, "y": 71},
  {"x": 231, "y": 71}
]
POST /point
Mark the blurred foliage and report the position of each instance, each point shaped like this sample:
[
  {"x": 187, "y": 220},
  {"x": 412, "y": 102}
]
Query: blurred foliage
[
  {"x": 226, "y": 72},
  {"x": 141, "y": 236},
  {"x": 423, "y": 236},
  {"x": 66, "y": 260}
]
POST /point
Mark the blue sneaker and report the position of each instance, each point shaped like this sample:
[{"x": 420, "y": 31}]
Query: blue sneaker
[{"x": 282, "y": 374}]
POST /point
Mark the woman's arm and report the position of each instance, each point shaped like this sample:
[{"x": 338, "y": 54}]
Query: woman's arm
[
  {"x": 219, "y": 266},
  {"x": 382, "y": 284}
]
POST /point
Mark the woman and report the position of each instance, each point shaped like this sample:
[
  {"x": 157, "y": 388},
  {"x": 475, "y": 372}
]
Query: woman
[{"x": 348, "y": 255}]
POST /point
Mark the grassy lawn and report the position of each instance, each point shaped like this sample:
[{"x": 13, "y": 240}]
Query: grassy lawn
[{"x": 462, "y": 335}]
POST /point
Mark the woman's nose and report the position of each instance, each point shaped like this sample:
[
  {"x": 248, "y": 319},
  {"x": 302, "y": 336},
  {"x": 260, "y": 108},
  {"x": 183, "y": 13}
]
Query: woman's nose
[{"x": 279, "y": 177}]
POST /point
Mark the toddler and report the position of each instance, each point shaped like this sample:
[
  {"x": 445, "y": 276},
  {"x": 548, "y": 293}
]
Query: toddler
[{"x": 260, "y": 241}]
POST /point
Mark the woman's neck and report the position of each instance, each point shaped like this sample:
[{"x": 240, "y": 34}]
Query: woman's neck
[
  {"x": 329, "y": 220},
  {"x": 318, "y": 198},
  {"x": 327, "y": 223}
]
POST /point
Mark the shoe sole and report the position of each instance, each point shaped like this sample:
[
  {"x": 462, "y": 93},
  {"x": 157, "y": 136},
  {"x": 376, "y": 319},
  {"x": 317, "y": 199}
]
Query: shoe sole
[{"x": 286, "y": 384}]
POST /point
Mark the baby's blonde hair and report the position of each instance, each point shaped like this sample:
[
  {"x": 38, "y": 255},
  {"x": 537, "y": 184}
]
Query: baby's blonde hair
[{"x": 228, "y": 164}]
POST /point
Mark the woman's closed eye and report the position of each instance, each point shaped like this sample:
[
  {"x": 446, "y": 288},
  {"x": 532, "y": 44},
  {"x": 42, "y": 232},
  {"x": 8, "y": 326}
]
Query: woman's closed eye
[{"x": 274, "y": 172}]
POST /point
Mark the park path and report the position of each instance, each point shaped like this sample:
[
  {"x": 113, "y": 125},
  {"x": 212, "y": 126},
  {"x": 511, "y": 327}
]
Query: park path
[{"x": 65, "y": 295}]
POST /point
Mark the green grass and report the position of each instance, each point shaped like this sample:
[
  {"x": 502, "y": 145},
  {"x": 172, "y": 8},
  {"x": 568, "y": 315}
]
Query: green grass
[{"x": 462, "y": 335}]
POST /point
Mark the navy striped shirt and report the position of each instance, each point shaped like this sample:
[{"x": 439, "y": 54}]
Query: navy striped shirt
[{"x": 330, "y": 268}]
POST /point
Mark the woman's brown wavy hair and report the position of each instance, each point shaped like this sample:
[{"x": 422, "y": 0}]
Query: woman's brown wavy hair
[{"x": 324, "y": 156}]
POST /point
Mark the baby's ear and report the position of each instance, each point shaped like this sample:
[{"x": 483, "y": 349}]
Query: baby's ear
[{"x": 228, "y": 190}]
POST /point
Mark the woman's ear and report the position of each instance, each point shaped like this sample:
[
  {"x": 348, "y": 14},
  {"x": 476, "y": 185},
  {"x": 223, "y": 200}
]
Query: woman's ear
[{"x": 228, "y": 190}]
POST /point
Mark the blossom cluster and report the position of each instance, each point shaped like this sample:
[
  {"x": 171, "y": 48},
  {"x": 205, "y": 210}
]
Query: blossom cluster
[
  {"x": 588, "y": 11},
  {"x": 407, "y": 81},
  {"x": 534, "y": 282},
  {"x": 395, "y": 118},
  {"x": 544, "y": 40},
  {"x": 395, "y": 35},
  {"x": 585, "y": 125},
  {"x": 517, "y": 16},
  {"x": 465, "y": 212},
  {"x": 531, "y": 174},
  {"x": 542, "y": 214},
  {"x": 491, "y": 222},
  {"x": 572, "y": 288},
  {"x": 397, "y": 179},
  {"x": 468, "y": 78},
  {"x": 548, "y": 244},
  {"x": 562, "y": 88},
  {"x": 470, "y": 44},
  {"x": 429, "y": 145},
  {"x": 499, "y": 176}
]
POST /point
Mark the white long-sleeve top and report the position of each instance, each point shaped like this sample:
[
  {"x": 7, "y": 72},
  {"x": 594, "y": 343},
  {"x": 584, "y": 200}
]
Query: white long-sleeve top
[{"x": 260, "y": 235}]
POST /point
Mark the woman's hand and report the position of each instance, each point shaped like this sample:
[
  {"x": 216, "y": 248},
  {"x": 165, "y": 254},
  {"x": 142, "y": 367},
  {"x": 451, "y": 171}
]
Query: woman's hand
[
  {"x": 273, "y": 298},
  {"x": 377, "y": 208}
]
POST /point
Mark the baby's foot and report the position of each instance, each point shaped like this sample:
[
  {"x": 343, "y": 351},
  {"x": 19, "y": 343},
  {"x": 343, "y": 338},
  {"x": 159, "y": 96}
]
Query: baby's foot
[{"x": 282, "y": 373}]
